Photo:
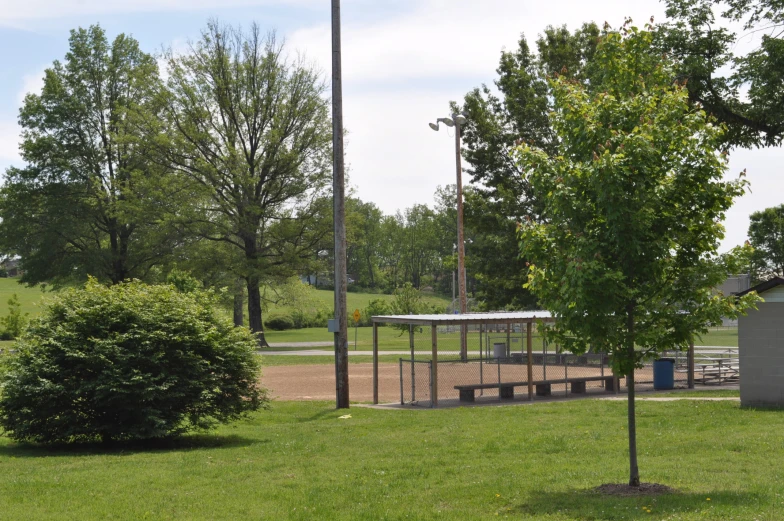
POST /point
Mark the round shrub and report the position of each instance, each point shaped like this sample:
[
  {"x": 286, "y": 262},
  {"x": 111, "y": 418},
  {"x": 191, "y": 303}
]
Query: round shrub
[
  {"x": 127, "y": 362},
  {"x": 280, "y": 322}
]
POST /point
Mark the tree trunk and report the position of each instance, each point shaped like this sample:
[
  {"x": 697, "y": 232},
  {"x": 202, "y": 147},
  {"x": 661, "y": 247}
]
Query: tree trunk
[
  {"x": 254, "y": 310},
  {"x": 634, "y": 472},
  {"x": 239, "y": 302}
]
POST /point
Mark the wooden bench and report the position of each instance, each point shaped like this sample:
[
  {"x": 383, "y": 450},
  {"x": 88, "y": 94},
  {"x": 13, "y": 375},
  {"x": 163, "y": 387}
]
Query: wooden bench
[{"x": 543, "y": 387}]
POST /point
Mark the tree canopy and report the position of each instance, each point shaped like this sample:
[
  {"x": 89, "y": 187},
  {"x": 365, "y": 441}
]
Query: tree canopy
[
  {"x": 766, "y": 236},
  {"x": 742, "y": 91},
  {"x": 251, "y": 129},
  {"x": 89, "y": 200},
  {"x": 624, "y": 250}
]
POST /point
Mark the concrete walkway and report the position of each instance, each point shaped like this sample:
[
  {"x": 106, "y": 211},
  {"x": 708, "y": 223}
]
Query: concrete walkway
[{"x": 327, "y": 352}]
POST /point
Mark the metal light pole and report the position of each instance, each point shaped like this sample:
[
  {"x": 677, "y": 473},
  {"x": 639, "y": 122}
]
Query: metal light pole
[
  {"x": 457, "y": 121},
  {"x": 339, "y": 212}
]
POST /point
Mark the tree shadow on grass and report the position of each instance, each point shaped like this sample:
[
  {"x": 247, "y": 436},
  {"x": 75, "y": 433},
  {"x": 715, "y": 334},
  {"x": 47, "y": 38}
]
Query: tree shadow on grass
[
  {"x": 181, "y": 443},
  {"x": 591, "y": 505}
]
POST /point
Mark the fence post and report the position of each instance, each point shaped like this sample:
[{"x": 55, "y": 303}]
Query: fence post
[
  {"x": 411, "y": 345},
  {"x": 566, "y": 373},
  {"x": 529, "y": 350},
  {"x": 434, "y": 365},
  {"x": 430, "y": 372},
  {"x": 402, "y": 400},
  {"x": 498, "y": 365},
  {"x": 690, "y": 366},
  {"x": 375, "y": 363}
]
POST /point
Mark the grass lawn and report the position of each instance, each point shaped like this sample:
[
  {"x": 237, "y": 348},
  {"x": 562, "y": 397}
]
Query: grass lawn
[
  {"x": 361, "y": 300},
  {"x": 721, "y": 336},
  {"x": 29, "y": 298},
  {"x": 299, "y": 461}
]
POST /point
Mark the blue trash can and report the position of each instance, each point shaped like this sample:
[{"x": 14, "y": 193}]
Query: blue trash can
[{"x": 664, "y": 374}]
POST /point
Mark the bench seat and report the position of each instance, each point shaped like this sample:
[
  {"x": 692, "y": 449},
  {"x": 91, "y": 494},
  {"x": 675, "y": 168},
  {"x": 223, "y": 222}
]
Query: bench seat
[{"x": 543, "y": 387}]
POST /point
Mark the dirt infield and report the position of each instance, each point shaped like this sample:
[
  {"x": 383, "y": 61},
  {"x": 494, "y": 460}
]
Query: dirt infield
[{"x": 317, "y": 382}]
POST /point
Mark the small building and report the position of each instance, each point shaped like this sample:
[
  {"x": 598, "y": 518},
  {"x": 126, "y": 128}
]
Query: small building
[{"x": 761, "y": 347}]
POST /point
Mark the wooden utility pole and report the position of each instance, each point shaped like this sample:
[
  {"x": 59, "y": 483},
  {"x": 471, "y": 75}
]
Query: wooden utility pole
[{"x": 339, "y": 213}]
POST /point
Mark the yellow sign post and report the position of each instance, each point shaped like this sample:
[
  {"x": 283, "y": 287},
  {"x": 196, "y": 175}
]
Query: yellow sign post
[{"x": 357, "y": 316}]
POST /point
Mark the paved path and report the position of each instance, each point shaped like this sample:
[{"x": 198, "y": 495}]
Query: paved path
[
  {"x": 323, "y": 352},
  {"x": 302, "y": 344}
]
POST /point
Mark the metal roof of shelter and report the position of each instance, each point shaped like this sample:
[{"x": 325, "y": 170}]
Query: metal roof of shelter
[{"x": 505, "y": 317}]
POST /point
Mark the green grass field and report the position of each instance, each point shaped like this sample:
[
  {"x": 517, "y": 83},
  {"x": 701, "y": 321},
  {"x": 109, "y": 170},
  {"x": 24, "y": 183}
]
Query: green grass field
[
  {"x": 299, "y": 461},
  {"x": 390, "y": 339},
  {"x": 29, "y": 298}
]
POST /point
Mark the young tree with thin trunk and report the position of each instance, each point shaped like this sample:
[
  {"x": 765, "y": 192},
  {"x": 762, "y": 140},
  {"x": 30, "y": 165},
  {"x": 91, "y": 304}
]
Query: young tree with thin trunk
[
  {"x": 625, "y": 254},
  {"x": 252, "y": 129}
]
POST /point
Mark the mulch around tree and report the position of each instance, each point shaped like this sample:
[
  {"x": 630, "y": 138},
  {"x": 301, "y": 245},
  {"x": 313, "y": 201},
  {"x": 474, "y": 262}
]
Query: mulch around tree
[{"x": 623, "y": 489}]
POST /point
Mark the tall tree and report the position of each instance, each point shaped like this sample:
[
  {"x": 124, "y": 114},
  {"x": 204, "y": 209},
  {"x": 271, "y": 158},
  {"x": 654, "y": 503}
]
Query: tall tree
[
  {"x": 743, "y": 91},
  {"x": 89, "y": 201},
  {"x": 766, "y": 236},
  {"x": 518, "y": 112},
  {"x": 252, "y": 129},
  {"x": 625, "y": 252}
]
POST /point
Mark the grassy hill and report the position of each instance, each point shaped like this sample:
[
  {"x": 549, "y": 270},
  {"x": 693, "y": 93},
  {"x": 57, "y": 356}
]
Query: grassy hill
[{"x": 29, "y": 298}]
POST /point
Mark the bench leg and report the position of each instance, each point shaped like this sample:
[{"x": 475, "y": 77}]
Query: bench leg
[
  {"x": 466, "y": 395},
  {"x": 507, "y": 392},
  {"x": 543, "y": 390},
  {"x": 578, "y": 387},
  {"x": 609, "y": 384}
]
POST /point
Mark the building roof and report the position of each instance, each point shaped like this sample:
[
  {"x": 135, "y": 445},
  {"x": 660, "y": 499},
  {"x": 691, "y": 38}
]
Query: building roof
[
  {"x": 764, "y": 286},
  {"x": 506, "y": 317}
]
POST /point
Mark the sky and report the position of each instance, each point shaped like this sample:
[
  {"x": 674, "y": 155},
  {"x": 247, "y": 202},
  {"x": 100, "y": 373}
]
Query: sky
[{"x": 403, "y": 62}]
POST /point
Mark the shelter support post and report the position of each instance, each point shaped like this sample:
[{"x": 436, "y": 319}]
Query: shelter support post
[
  {"x": 375, "y": 363},
  {"x": 690, "y": 366},
  {"x": 434, "y": 377},
  {"x": 413, "y": 371},
  {"x": 529, "y": 350}
]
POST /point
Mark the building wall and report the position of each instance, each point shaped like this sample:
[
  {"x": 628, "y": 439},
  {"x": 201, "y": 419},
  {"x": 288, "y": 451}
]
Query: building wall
[{"x": 761, "y": 352}]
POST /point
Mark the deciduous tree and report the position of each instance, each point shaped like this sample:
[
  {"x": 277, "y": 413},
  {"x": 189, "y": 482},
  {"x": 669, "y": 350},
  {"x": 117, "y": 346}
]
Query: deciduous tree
[
  {"x": 625, "y": 252},
  {"x": 766, "y": 236},
  {"x": 90, "y": 201},
  {"x": 250, "y": 127}
]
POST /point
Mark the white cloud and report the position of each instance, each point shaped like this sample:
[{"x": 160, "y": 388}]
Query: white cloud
[
  {"x": 9, "y": 143},
  {"x": 31, "y": 84},
  {"x": 400, "y": 72},
  {"x": 441, "y": 38},
  {"x": 765, "y": 174},
  {"x": 14, "y": 11}
]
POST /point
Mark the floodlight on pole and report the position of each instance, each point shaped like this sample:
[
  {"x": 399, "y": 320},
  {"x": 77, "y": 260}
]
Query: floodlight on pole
[{"x": 458, "y": 120}]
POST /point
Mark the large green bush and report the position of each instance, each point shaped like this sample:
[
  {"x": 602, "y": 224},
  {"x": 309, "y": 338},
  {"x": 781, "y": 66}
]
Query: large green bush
[
  {"x": 279, "y": 322},
  {"x": 125, "y": 362}
]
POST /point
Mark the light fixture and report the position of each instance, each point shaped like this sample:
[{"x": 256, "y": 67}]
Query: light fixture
[
  {"x": 448, "y": 122},
  {"x": 434, "y": 126},
  {"x": 461, "y": 120}
]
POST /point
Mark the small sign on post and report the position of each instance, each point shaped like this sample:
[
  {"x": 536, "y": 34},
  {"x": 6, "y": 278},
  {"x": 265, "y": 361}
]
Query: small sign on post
[{"x": 356, "y": 316}]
